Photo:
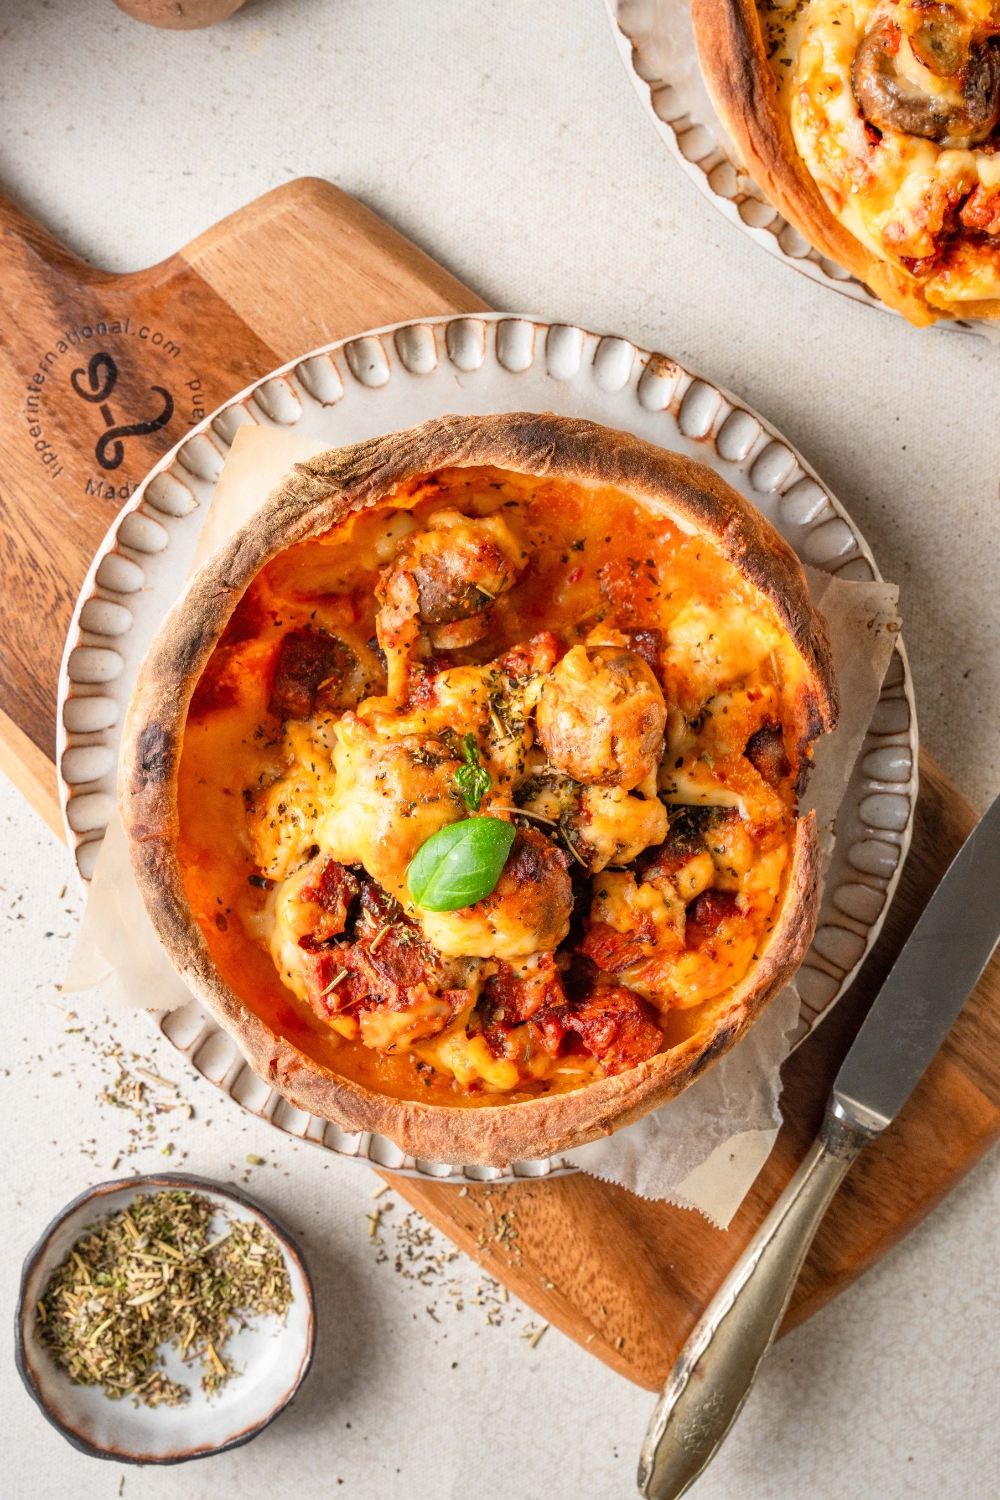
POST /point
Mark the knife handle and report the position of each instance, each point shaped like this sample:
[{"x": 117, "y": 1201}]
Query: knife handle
[{"x": 717, "y": 1366}]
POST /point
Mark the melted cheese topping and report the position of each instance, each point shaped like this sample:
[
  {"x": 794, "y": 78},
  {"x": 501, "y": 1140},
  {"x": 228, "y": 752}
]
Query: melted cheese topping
[
  {"x": 909, "y": 199},
  {"x": 264, "y": 805}
]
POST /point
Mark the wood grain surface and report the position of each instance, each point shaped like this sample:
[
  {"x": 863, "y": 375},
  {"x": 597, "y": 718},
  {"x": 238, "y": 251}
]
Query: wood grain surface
[{"x": 304, "y": 265}]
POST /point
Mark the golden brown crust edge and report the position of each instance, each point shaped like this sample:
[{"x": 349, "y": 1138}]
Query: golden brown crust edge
[
  {"x": 739, "y": 78},
  {"x": 315, "y": 497}
]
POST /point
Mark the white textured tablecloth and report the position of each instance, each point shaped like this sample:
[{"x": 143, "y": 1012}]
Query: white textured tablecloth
[{"x": 505, "y": 139}]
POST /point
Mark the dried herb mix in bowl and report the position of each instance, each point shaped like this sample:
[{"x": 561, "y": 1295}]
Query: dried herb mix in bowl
[{"x": 150, "y": 1276}]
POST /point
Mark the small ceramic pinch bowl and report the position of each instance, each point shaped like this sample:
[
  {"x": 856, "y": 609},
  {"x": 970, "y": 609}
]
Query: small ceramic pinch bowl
[{"x": 274, "y": 1357}]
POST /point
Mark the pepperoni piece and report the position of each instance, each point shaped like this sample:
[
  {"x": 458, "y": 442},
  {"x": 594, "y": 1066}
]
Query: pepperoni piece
[
  {"x": 611, "y": 950},
  {"x": 516, "y": 999},
  {"x": 981, "y": 210},
  {"x": 390, "y": 955},
  {"x": 648, "y": 644},
  {"x": 307, "y": 661},
  {"x": 617, "y": 1026},
  {"x": 320, "y": 968},
  {"x": 332, "y": 889},
  {"x": 549, "y": 1029},
  {"x": 378, "y": 907},
  {"x": 399, "y": 963},
  {"x": 766, "y": 753},
  {"x": 385, "y": 965},
  {"x": 707, "y": 916}
]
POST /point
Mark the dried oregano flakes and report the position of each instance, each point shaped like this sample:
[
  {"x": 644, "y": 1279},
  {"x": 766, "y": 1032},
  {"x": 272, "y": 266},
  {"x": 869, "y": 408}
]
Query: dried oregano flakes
[{"x": 150, "y": 1276}]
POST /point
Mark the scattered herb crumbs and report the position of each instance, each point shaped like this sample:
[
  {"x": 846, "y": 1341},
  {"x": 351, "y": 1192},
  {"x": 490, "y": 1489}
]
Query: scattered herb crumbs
[
  {"x": 150, "y": 1276},
  {"x": 424, "y": 1257},
  {"x": 162, "y": 1083}
]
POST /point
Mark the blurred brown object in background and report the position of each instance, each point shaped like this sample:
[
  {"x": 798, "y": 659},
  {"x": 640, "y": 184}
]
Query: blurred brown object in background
[{"x": 179, "y": 15}]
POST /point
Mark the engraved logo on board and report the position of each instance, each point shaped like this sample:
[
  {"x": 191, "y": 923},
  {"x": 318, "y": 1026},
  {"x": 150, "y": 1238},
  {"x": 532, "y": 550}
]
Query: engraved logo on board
[
  {"x": 97, "y": 420},
  {"x": 101, "y": 376}
]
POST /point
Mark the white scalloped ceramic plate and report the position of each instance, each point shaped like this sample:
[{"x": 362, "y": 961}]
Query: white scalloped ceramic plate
[
  {"x": 656, "y": 44},
  {"x": 390, "y": 379}
]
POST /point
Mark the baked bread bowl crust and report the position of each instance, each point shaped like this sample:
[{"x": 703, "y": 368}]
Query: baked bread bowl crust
[
  {"x": 739, "y": 77},
  {"x": 315, "y": 497}
]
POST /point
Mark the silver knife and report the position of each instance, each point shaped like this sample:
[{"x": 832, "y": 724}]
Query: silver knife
[{"x": 915, "y": 1009}]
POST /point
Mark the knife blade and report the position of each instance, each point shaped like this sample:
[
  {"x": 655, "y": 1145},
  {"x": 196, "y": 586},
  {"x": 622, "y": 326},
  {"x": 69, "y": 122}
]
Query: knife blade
[
  {"x": 928, "y": 984},
  {"x": 915, "y": 1009}
]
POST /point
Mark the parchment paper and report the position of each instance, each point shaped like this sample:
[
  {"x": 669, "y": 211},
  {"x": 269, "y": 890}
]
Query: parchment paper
[{"x": 705, "y": 1148}]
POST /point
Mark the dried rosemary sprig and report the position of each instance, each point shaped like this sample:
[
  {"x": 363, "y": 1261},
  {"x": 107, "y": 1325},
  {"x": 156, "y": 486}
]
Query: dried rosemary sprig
[{"x": 149, "y": 1276}]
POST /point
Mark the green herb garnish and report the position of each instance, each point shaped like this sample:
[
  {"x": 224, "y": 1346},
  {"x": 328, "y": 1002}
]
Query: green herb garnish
[
  {"x": 472, "y": 779},
  {"x": 461, "y": 864}
]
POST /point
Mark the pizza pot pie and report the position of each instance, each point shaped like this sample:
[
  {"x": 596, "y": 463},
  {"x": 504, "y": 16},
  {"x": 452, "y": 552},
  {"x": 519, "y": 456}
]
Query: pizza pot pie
[
  {"x": 461, "y": 784},
  {"x": 873, "y": 126}
]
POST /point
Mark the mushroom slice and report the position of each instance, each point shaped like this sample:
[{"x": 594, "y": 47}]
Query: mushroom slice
[{"x": 890, "y": 101}]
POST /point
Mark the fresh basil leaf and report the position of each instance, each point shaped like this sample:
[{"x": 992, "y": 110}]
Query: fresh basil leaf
[
  {"x": 473, "y": 782},
  {"x": 472, "y": 779},
  {"x": 460, "y": 864}
]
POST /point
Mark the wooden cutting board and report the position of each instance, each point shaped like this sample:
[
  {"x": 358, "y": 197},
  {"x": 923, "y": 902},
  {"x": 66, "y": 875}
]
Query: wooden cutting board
[{"x": 302, "y": 266}]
